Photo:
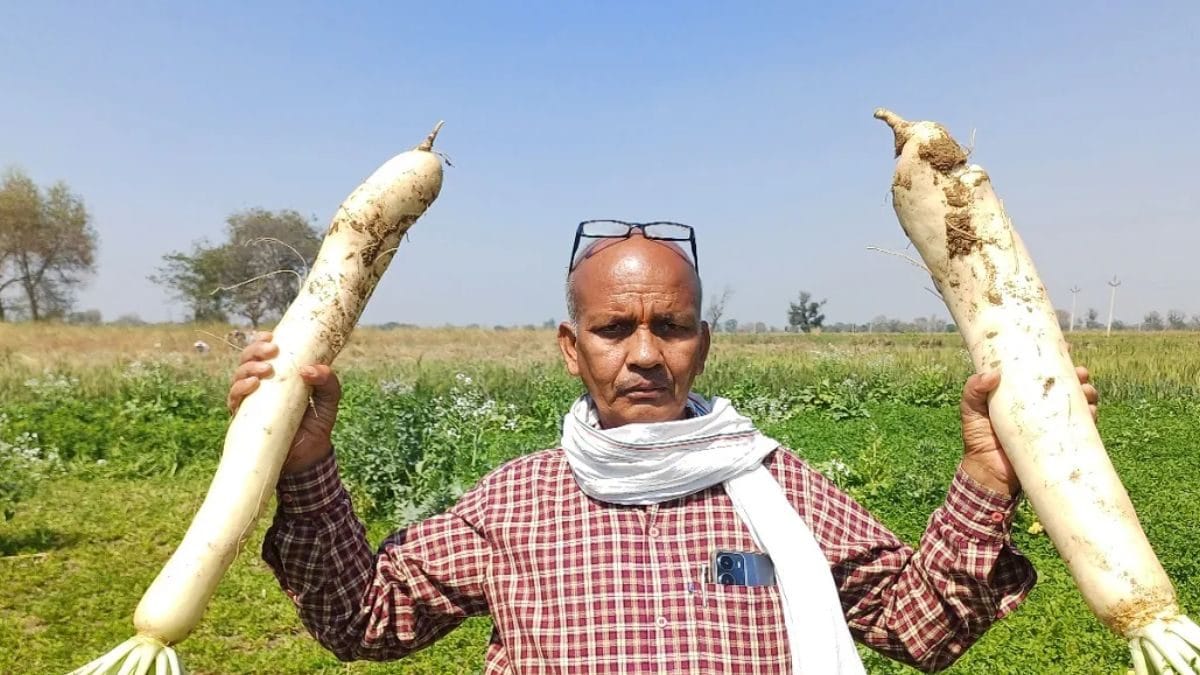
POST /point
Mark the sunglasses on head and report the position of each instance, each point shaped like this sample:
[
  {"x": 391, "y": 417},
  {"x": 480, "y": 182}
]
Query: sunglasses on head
[{"x": 619, "y": 229}]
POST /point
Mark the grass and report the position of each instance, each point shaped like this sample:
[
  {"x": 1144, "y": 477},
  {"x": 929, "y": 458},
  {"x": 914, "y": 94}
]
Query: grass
[
  {"x": 1160, "y": 365},
  {"x": 84, "y": 550},
  {"x": 137, "y": 446}
]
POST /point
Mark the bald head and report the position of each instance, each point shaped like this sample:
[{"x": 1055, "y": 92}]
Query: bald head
[{"x": 633, "y": 256}]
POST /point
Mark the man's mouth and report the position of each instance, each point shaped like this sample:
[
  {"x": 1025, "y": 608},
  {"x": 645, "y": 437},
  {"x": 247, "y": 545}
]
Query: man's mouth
[{"x": 644, "y": 392}]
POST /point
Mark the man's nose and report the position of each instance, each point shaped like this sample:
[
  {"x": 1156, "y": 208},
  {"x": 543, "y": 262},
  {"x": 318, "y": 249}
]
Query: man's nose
[{"x": 645, "y": 352}]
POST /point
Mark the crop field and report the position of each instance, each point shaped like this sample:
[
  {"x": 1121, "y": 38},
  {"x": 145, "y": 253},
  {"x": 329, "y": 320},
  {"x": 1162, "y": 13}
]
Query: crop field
[{"x": 109, "y": 436}]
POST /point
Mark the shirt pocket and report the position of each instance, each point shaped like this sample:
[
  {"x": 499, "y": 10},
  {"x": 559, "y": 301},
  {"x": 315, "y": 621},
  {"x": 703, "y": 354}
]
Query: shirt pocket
[{"x": 741, "y": 624}]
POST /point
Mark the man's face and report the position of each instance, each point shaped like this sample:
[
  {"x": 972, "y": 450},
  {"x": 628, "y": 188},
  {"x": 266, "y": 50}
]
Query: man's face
[{"x": 639, "y": 342}]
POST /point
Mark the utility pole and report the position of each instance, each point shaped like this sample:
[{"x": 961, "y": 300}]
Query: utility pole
[
  {"x": 1112, "y": 301},
  {"x": 1074, "y": 291}
]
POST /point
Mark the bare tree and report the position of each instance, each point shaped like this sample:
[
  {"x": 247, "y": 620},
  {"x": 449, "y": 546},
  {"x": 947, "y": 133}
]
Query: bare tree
[
  {"x": 716, "y": 308},
  {"x": 47, "y": 245}
]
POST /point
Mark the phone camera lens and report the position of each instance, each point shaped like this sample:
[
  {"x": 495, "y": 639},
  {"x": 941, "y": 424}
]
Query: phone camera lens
[
  {"x": 725, "y": 579},
  {"x": 725, "y": 562}
]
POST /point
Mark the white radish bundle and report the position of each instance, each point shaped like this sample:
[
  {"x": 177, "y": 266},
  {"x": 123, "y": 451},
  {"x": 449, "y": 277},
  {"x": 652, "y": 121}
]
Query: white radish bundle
[
  {"x": 359, "y": 245},
  {"x": 985, "y": 276}
]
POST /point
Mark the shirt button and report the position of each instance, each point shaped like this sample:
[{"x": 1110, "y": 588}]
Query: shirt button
[
  {"x": 661, "y": 622},
  {"x": 653, "y": 532},
  {"x": 286, "y": 499},
  {"x": 997, "y": 517}
]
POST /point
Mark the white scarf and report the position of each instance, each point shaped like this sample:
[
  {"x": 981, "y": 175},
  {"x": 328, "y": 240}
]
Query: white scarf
[{"x": 639, "y": 464}]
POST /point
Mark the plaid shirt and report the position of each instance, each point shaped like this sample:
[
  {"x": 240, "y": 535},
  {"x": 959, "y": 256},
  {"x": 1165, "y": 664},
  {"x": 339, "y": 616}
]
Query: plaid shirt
[{"x": 576, "y": 585}]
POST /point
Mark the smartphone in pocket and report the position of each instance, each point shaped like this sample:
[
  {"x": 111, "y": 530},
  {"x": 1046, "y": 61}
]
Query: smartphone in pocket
[{"x": 742, "y": 568}]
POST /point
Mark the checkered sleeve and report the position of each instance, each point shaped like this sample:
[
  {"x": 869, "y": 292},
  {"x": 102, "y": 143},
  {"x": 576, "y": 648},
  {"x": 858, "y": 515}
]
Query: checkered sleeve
[
  {"x": 420, "y": 584},
  {"x": 925, "y": 606}
]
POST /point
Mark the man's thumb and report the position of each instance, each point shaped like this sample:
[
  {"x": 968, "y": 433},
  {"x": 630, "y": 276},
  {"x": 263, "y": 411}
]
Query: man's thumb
[
  {"x": 323, "y": 381},
  {"x": 975, "y": 393}
]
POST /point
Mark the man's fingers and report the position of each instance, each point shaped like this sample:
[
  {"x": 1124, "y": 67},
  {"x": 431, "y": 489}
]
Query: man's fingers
[
  {"x": 1083, "y": 374},
  {"x": 1091, "y": 394},
  {"x": 259, "y": 369},
  {"x": 259, "y": 351},
  {"x": 1095, "y": 413},
  {"x": 239, "y": 391}
]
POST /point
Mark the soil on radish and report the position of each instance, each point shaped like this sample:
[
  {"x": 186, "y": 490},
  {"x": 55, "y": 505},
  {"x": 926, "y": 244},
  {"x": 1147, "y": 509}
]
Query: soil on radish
[
  {"x": 942, "y": 153},
  {"x": 961, "y": 238}
]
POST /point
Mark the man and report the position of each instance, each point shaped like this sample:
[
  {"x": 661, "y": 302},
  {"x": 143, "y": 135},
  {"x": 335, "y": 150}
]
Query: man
[{"x": 599, "y": 556}]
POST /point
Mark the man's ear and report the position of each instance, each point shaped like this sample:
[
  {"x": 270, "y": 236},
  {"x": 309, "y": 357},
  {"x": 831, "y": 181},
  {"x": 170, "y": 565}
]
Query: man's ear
[
  {"x": 705, "y": 342},
  {"x": 567, "y": 345}
]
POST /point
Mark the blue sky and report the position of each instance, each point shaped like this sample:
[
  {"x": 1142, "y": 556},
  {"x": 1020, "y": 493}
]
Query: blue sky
[{"x": 751, "y": 122}]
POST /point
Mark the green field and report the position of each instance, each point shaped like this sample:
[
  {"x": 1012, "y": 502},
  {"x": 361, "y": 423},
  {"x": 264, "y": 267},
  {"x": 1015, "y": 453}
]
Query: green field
[{"x": 108, "y": 438}]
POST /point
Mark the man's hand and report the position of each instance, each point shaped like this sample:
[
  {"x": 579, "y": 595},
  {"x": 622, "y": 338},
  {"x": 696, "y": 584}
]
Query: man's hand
[
  {"x": 313, "y": 441},
  {"x": 983, "y": 458}
]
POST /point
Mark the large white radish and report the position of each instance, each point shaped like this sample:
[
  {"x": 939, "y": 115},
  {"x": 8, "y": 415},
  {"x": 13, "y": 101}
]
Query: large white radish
[
  {"x": 360, "y": 242},
  {"x": 988, "y": 282}
]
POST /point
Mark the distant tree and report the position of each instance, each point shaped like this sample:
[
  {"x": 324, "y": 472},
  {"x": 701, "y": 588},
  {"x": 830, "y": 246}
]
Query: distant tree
[
  {"x": 731, "y": 325},
  {"x": 89, "y": 317},
  {"x": 256, "y": 273},
  {"x": 47, "y": 245},
  {"x": 1118, "y": 324},
  {"x": 1093, "y": 319},
  {"x": 805, "y": 315},
  {"x": 1153, "y": 321},
  {"x": 266, "y": 259},
  {"x": 193, "y": 279},
  {"x": 1176, "y": 320},
  {"x": 716, "y": 308},
  {"x": 550, "y": 323},
  {"x": 1194, "y": 324},
  {"x": 760, "y": 327},
  {"x": 1064, "y": 318},
  {"x": 129, "y": 320}
]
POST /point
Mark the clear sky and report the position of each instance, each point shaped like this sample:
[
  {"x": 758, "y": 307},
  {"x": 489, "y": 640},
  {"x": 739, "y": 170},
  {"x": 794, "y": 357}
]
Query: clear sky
[{"x": 752, "y": 122}]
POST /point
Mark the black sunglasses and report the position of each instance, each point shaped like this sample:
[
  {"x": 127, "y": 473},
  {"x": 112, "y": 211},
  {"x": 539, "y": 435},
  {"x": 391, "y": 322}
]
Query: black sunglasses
[{"x": 618, "y": 229}]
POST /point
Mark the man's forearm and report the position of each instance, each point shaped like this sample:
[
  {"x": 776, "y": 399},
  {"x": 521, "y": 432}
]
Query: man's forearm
[
  {"x": 361, "y": 604},
  {"x": 933, "y": 603}
]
